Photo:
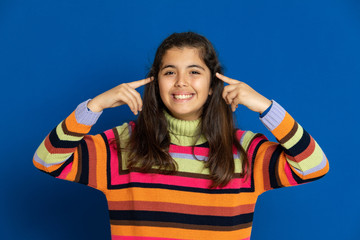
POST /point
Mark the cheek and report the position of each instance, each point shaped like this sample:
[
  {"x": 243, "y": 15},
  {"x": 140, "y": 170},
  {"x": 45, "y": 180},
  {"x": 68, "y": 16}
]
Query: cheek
[
  {"x": 163, "y": 89},
  {"x": 204, "y": 87}
]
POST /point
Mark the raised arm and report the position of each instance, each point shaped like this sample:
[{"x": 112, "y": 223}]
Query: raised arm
[
  {"x": 295, "y": 159},
  {"x": 69, "y": 153}
]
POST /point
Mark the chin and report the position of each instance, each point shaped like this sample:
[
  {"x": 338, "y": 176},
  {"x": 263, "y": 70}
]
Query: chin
[{"x": 186, "y": 115}]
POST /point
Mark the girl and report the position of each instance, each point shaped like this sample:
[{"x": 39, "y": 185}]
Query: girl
[{"x": 182, "y": 170}]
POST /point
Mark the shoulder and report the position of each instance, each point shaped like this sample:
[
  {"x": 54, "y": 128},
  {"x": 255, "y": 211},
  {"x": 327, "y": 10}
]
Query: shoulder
[
  {"x": 248, "y": 138},
  {"x": 121, "y": 132}
]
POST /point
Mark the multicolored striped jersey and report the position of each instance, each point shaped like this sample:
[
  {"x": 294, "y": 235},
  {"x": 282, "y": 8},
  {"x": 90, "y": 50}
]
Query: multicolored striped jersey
[{"x": 153, "y": 206}]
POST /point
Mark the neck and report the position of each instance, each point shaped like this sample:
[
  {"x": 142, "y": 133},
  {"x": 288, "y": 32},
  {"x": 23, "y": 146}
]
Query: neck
[{"x": 184, "y": 132}]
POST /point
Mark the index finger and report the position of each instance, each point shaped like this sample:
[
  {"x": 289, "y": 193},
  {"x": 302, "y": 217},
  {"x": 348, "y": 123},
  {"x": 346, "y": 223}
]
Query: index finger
[
  {"x": 226, "y": 79},
  {"x": 140, "y": 83}
]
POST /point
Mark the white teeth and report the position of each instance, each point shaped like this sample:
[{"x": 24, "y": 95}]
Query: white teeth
[{"x": 182, "y": 96}]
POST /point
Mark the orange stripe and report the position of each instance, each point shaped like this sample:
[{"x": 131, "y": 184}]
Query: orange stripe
[
  {"x": 284, "y": 127},
  {"x": 181, "y": 208},
  {"x": 258, "y": 167},
  {"x": 74, "y": 169},
  {"x": 101, "y": 158},
  {"x": 73, "y": 126},
  {"x": 266, "y": 163},
  {"x": 281, "y": 170},
  {"x": 178, "y": 233},
  {"x": 46, "y": 169},
  {"x": 174, "y": 196}
]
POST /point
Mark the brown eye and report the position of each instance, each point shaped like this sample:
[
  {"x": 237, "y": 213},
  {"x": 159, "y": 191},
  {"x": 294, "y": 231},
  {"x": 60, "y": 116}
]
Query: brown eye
[
  {"x": 169, "y": 73},
  {"x": 195, "y": 72}
]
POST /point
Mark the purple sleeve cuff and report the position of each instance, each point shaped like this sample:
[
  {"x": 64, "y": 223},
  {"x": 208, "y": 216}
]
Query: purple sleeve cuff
[
  {"x": 84, "y": 115},
  {"x": 274, "y": 116}
]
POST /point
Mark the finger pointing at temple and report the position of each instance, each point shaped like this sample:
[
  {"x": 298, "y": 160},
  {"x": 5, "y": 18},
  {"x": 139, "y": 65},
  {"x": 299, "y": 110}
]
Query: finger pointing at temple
[
  {"x": 140, "y": 83},
  {"x": 227, "y": 79}
]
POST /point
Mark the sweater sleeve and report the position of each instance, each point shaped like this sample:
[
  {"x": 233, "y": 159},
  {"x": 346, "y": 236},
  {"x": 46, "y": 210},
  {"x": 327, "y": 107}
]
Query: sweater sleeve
[
  {"x": 69, "y": 153},
  {"x": 295, "y": 159}
]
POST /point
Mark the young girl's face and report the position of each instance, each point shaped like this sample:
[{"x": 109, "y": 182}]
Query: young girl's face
[{"x": 184, "y": 82}]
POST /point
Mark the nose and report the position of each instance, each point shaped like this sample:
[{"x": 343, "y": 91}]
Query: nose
[{"x": 181, "y": 81}]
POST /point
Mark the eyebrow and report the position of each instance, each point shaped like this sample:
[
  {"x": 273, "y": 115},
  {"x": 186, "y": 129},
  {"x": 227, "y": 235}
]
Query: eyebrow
[{"x": 190, "y": 66}]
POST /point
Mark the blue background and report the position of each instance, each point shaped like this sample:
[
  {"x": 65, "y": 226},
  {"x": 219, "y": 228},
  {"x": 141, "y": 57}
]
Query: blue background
[{"x": 56, "y": 54}]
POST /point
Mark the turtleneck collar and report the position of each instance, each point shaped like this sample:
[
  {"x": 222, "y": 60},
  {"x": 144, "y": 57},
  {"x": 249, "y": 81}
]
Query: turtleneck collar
[{"x": 183, "y": 132}]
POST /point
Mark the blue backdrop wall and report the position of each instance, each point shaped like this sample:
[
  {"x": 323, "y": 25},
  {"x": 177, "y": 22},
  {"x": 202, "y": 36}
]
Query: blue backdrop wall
[{"x": 56, "y": 54}]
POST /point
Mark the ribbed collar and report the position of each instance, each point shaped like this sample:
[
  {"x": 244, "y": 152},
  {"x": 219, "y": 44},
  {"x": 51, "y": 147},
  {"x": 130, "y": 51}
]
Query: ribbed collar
[{"x": 184, "y": 132}]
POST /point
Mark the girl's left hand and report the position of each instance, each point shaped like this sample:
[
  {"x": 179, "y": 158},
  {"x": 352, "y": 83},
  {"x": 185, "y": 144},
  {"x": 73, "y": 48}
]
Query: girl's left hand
[{"x": 240, "y": 93}]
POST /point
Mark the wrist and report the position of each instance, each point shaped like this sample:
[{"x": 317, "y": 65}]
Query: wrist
[
  {"x": 93, "y": 106},
  {"x": 266, "y": 105}
]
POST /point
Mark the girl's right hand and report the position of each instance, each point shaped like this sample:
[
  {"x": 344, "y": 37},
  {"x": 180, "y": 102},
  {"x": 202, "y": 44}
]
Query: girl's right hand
[{"x": 124, "y": 93}]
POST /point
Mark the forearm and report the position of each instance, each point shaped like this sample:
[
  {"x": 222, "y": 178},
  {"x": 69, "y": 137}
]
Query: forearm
[
  {"x": 300, "y": 149},
  {"x": 63, "y": 140}
]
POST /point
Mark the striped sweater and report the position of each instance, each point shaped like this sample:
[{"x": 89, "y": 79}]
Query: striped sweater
[{"x": 154, "y": 206}]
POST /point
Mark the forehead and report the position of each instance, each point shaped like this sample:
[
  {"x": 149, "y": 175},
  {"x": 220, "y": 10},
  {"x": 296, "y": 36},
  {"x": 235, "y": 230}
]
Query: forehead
[{"x": 182, "y": 56}]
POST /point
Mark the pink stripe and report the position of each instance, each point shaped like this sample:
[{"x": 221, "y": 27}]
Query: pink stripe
[
  {"x": 188, "y": 150},
  {"x": 65, "y": 171},
  {"x": 114, "y": 161},
  {"x": 109, "y": 134},
  {"x": 200, "y": 151},
  {"x": 255, "y": 143},
  {"x": 173, "y": 180},
  {"x": 239, "y": 134},
  {"x": 132, "y": 125},
  {"x": 113, "y": 237},
  {"x": 289, "y": 174},
  {"x": 117, "y": 179}
]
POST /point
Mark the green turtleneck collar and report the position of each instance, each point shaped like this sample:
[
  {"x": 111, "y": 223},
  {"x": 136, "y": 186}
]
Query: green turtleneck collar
[{"x": 184, "y": 133}]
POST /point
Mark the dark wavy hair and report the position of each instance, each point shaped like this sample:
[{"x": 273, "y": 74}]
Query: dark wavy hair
[{"x": 149, "y": 142}]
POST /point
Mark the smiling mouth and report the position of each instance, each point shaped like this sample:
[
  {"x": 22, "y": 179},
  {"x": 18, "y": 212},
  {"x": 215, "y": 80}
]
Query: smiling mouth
[{"x": 182, "y": 96}]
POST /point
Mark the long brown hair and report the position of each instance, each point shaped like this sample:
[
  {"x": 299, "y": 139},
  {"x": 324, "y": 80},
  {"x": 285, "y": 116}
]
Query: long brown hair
[{"x": 149, "y": 142}]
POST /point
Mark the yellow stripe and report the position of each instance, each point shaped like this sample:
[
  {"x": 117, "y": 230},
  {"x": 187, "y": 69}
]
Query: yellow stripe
[
  {"x": 238, "y": 164},
  {"x": 49, "y": 158},
  {"x": 124, "y": 133},
  {"x": 191, "y": 166},
  {"x": 321, "y": 172},
  {"x": 294, "y": 139},
  {"x": 312, "y": 161},
  {"x": 248, "y": 136},
  {"x": 62, "y": 136}
]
